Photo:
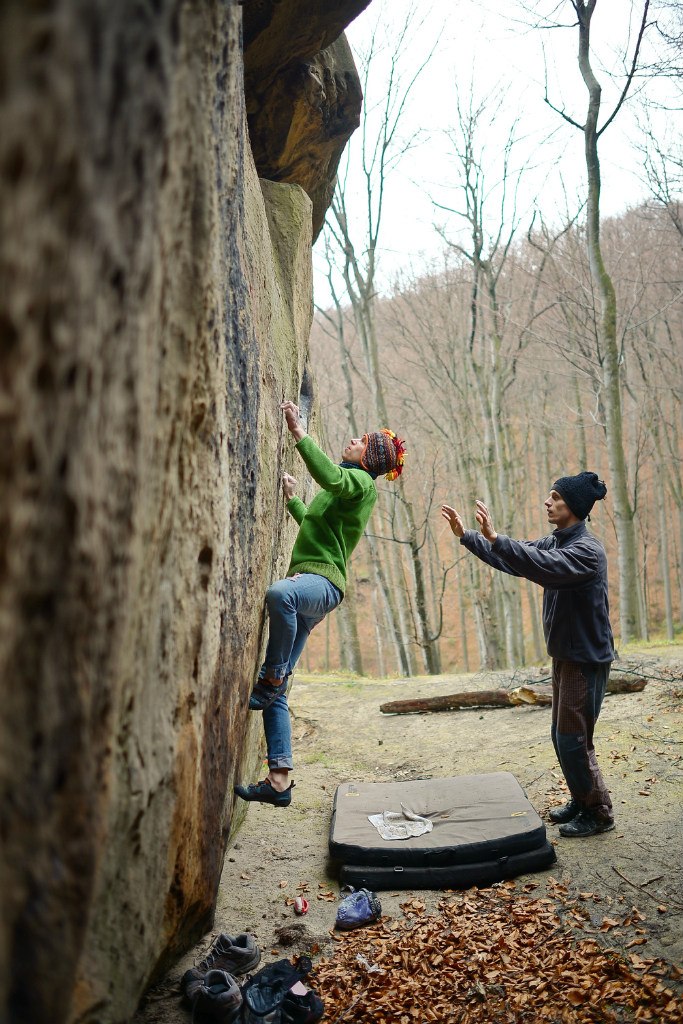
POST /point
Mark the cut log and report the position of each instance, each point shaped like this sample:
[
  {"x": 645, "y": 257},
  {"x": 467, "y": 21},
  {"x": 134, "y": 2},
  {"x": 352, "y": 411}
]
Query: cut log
[{"x": 540, "y": 694}]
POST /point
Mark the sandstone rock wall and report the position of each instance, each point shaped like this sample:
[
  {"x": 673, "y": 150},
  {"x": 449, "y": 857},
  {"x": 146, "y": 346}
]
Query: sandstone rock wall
[
  {"x": 154, "y": 310},
  {"x": 303, "y": 92}
]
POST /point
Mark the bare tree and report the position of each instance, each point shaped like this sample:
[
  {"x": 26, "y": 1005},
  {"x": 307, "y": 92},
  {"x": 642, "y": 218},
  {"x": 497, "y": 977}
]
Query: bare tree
[
  {"x": 381, "y": 148},
  {"x": 499, "y": 328},
  {"x": 606, "y": 313}
]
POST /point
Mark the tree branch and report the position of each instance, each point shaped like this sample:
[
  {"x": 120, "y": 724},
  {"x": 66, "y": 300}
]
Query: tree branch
[{"x": 634, "y": 64}]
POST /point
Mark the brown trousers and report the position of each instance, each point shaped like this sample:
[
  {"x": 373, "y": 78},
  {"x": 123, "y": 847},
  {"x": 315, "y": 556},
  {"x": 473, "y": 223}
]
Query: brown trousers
[{"x": 578, "y": 692}]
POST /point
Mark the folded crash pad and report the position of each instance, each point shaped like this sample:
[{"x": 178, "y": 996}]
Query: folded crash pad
[{"x": 483, "y": 830}]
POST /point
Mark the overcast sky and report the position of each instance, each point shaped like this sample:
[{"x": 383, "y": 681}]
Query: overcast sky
[{"x": 492, "y": 48}]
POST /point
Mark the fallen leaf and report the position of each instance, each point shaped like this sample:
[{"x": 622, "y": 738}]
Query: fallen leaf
[{"x": 575, "y": 996}]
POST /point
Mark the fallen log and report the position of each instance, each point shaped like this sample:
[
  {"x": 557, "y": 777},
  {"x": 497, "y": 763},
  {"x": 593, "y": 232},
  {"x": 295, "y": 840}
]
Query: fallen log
[{"x": 540, "y": 694}]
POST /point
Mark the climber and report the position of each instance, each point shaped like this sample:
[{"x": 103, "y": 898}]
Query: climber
[
  {"x": 329, "y": 529},
  {"x": 571, "y": 566}
]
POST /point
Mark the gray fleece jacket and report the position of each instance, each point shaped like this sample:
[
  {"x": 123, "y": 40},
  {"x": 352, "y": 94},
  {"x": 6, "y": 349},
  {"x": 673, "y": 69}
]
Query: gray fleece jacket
[{"x": 571, "y": 566}]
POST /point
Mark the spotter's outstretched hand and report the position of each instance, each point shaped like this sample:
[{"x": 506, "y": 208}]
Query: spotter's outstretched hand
[
  {"x": 453, "y": 519},
  {"x": 485, "y": 522}
]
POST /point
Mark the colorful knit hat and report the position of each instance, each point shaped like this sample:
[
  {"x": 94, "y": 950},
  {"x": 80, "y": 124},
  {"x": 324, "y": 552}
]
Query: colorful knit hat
[
  {"x": 383, "y": 453},
  {"x": 580, "y": 492}
]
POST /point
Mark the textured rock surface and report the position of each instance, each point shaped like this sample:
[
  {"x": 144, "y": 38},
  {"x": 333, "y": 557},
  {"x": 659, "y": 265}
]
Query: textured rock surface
[
  {"x": 302, "y": 90},
  {"x": 154, "y": 310}
]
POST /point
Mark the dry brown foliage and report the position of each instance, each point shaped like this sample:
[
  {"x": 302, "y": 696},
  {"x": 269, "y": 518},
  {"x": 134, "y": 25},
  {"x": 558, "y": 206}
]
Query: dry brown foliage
[{"x": 493, "y": 955}]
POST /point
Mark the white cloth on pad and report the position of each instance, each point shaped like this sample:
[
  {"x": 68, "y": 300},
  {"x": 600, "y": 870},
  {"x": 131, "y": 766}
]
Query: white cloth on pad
[{"x": 403, "y": 825}]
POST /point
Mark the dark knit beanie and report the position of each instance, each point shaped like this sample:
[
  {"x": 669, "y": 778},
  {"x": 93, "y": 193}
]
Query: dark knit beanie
[
  {"x": 384, "y": 453},
  {"x": 580, "y": 492}
]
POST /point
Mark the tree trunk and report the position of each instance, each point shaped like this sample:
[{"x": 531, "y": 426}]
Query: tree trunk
[
  {"x": 463, "y": 632},
  {"x": 347, "y": 618},
  {"x": 675, "y": 482},
  {"x": 664, "y": 553},
  {"x": 381, "y": 671},
  {"x": 426, "y": 638},
  {"x": 397, "y": 596},
  {"x": 396, "y": 631},
  {"x": 609, "y": 350},
  {"x": 580, "y": 427}
]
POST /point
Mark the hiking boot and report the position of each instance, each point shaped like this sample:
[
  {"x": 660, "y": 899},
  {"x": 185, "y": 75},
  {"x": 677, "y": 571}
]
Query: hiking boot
[
  {"x": 233, "y": 956},
  {"x": 305, "y": 1009},
  {"x": 264, "y": 793},
  {"x": 216, "y": 996},
  {"x": 566, "y": 812},
  {"x": 585, "y": 824},
  {"x": 263, "y": 694},
  {"x": 358, "y": 908}
]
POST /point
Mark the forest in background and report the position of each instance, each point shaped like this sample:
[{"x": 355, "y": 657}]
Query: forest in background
[{"x": 534, "y": 347}]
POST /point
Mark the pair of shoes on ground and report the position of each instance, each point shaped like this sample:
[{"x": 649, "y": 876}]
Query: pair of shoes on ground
[
  {"x": 263, "y": 694},
  {"x": 578, "y": 823},
  {"x": 210, "y": 987},
  {"x": 264, "y": 793}
]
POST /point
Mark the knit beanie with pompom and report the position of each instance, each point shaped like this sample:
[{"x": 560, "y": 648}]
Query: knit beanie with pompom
[{"x": 384, "y": 453}]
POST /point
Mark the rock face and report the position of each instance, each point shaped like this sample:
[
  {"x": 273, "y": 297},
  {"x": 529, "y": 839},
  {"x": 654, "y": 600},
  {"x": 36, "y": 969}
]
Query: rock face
[
  {"x": 303, "y": 92},
  {"x": 155, "y": 304}
]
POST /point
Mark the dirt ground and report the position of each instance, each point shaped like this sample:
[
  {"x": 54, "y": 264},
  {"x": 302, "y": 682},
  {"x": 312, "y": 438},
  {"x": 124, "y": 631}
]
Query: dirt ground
[{"x": 340, "y": 735}]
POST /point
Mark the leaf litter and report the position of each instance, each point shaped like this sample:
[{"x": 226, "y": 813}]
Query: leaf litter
[{"x": 493, "y": 956}]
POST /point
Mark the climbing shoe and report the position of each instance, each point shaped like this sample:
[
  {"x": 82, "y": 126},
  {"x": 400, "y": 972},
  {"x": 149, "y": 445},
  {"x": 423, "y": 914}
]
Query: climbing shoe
[
  {"x": 263, "y": 694},
  {"x": 264, "y": 793},
  {"x": 233, "y": 955},
  {"x": 585, "y": 824},
  {"x": 566, "y": 812},
  {"x": 358, "y": 908},
  {"x": 216, "y": 996}
]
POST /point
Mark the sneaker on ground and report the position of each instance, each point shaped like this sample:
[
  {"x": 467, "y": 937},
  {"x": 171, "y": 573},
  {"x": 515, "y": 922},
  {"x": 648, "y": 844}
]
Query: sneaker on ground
[
  {"x": 305, "y": 1009},
  {"x": 264, "y": 793},
  {"x": 233, "y": 955},
  {"x": 216, "y": 996},
  {"x": 585, "y": 824},
  {"x": 263, "y": 694},
  {"x": 565, "y": 812}
]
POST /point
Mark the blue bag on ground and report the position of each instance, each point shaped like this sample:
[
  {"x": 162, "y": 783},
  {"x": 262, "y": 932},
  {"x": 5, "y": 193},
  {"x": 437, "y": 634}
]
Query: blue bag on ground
[{"x": 358, "y": 908}]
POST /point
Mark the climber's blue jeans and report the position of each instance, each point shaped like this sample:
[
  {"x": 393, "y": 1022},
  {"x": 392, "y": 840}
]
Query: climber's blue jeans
[{"x": 295, "y": 606}]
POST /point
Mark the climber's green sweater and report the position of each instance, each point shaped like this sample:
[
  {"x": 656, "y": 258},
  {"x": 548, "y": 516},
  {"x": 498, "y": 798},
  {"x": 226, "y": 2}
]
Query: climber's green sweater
[{"x": 333, "y": 523}]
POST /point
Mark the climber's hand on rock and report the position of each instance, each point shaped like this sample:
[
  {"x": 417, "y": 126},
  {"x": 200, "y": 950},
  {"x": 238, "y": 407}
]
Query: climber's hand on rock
[
  {"x": 288, "y": 485},
  {"x": 293, "y": 418}
]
